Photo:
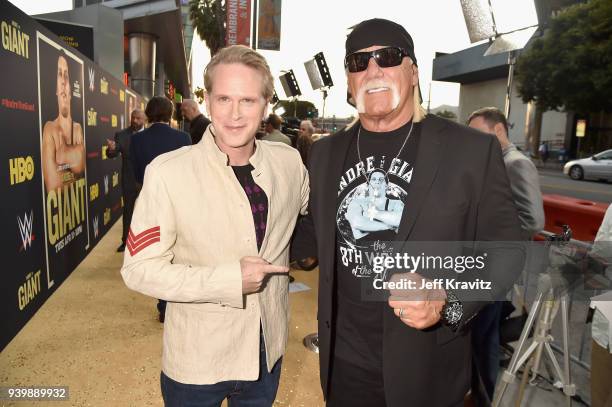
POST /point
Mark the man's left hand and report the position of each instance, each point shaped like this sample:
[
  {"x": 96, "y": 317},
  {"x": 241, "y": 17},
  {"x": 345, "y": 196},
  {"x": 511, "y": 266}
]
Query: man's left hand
[{"x": 418, "y": 307}]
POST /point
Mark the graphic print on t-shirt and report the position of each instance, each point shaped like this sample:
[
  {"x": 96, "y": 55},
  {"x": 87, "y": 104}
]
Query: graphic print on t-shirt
[
  {"x": 372, "y": 196},
  {"x": 373, "y": 191}
]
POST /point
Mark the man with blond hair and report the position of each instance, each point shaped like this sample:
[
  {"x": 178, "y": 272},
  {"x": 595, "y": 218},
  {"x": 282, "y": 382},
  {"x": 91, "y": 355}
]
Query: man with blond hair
[
  {"x": 210, "y": 234},
  {"x": 427, "y": 180}
]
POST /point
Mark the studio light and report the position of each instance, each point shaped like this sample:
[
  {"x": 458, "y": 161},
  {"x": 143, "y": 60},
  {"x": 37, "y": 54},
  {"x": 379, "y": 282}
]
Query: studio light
[
  {"x": 319, "y": 76},
  {"x": 318, "y": 72},
  {"x": 508, "y": 25},
  {"x": 290, "y": 85}
]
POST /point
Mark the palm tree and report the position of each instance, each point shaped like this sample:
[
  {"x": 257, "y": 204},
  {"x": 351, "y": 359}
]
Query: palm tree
[{"x": 208, "y": 18}]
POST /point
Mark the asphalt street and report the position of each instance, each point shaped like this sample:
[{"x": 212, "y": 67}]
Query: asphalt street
[{"x": 555, "y": 182}]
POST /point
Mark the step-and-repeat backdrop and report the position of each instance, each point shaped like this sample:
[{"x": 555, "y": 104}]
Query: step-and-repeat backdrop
[{"x": 59, "y": 192}]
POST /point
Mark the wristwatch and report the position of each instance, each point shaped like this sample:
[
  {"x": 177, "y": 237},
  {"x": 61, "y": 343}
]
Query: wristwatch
[{"x": 452, "y": 311}]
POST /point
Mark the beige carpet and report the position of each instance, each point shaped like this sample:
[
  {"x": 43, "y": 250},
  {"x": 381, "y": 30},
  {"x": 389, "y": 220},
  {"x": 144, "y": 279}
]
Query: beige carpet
[{"x": 103, "y": 341}]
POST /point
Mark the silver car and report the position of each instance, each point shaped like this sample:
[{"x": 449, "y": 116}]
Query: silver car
[{"x": 598, "y": 166}]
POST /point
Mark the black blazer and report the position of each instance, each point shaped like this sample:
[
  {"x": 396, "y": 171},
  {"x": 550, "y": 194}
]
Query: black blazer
[
  {"x": 122, "y": 143},
  {"x": 197, "y": 127},
  {"x": 158, "y": 139},
  {"x": 460, "y": 192}
]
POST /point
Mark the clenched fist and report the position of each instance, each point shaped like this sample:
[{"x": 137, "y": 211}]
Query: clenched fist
[
  {"x": 254, "y": 272},
  {"x": 417, "y": 307}
]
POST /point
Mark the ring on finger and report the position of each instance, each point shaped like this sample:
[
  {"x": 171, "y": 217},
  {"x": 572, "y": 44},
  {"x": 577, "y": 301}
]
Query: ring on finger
[{"x": 401, "y": 313}]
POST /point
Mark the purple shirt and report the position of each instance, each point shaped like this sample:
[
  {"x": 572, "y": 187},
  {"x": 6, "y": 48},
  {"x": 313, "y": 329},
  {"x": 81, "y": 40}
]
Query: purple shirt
[{"x": 257, "y": 198}]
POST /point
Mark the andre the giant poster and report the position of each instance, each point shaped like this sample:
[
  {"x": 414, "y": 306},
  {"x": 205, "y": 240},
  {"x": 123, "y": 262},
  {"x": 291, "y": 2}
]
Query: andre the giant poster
[
  {"x": 63, "y": 157},
  {"x": 59, "y": 190}
]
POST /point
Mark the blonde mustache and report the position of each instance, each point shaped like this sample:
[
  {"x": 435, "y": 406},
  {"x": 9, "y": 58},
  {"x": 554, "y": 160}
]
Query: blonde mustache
[{"x": 375, "y": 84}]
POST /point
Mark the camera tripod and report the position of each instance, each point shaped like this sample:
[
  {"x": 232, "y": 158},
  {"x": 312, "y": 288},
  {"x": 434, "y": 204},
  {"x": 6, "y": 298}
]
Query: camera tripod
[{"x": 551, "y": 291}]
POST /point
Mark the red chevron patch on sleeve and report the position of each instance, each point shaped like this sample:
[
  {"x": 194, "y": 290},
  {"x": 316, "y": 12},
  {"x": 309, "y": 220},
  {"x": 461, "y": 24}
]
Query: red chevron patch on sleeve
[{"x": 138, "y": 242}]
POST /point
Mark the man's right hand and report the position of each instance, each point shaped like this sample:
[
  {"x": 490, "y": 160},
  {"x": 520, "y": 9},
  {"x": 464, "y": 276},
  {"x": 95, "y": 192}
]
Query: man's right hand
[{"x": 254, "y": 272}]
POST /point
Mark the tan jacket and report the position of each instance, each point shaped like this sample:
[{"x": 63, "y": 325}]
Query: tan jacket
[{"x": 211, "y": 330}]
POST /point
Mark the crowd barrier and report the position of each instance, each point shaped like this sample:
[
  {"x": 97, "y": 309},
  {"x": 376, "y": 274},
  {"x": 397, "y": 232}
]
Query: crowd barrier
[{"x": 582, "y": 216}]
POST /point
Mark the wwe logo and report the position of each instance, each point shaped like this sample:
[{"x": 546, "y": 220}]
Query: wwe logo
[
  {"x": 106, "y": 185},
  {"x": 25, "y": 229},
  {"x": 95, "y": 226},
  {"x": 92, "y": 79}
]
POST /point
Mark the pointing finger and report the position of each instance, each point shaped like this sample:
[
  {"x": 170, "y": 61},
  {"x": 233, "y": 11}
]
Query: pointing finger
[
  {"x": 272, "y": 268},
  {"x": 254, "y": 259}
]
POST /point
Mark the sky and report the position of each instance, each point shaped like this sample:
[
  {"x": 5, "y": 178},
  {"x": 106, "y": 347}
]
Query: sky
[{"x": 312, "y": 26}]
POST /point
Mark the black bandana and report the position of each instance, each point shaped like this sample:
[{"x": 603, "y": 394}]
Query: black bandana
[{"x": 378, "y": 31}]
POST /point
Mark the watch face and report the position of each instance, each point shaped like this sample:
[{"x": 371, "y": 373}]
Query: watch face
[{"x": 454, "y": 313}]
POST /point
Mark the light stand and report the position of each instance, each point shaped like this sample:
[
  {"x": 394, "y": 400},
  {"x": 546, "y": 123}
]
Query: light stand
[
  {"x": 295, "y": 103},
  {"x": 320, "y": 78},
  {"x": 323, "y": 113},
  {"x": 511, "y": 63}
]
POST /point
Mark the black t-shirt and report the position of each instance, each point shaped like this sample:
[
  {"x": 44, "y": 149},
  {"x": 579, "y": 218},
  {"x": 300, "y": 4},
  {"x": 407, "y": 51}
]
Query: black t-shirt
[
  {"x": 371, "y": 199},
  {"x": 257, "y": 198}
]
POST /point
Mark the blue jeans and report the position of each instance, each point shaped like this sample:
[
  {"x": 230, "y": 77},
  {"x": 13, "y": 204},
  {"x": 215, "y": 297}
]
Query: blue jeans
[{"x": 239, "y": 393}]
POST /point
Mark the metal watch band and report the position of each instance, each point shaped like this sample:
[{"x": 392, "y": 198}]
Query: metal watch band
[{"x": 452, "y": 312}]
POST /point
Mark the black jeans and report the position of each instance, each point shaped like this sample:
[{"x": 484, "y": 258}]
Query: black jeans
[
  {"x": 355, "y": 386},
  {"x": 129, "y": 200}
]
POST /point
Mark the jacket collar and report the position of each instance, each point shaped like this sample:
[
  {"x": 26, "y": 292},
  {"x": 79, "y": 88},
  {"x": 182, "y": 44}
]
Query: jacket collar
[
  {"x": 208, "y": 145},
  {"x": 509, "y": 147},
  {"x": 429, "y": 154},
  {"x": 158, "y": 124}
]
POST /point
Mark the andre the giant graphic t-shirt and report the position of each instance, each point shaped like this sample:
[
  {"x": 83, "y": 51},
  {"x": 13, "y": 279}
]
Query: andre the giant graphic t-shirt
[{"x": 372, "y": 195}]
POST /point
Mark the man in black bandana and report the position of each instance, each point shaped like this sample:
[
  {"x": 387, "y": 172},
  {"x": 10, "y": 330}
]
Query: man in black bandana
[{"x": 398, "y": 175}]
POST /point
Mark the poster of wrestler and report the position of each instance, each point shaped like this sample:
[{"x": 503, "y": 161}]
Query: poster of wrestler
[
  {"x": 62, "y": 144},
  {"x": 372, "y": 198},
  {"x": 373, "y": 210}
]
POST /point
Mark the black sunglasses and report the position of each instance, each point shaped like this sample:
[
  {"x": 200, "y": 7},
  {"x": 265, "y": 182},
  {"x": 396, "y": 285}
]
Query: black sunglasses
[{"x": 384, "y": 57}]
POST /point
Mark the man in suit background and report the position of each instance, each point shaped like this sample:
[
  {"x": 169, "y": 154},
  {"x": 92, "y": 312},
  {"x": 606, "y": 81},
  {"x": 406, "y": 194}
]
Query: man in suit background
[
  {"x": 449, "y": 183},
  {"x": 527, "y": 196},
  {"x": 159, "y": 138},
  {"x": 129, "y": 189},
  {"x": 197, "y": 121},
  {"x": 522, "y": 173},
  {"x": 273, "y": 133}
]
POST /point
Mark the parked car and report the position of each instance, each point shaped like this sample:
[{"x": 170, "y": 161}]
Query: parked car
[{"x": 598, "y": 166}]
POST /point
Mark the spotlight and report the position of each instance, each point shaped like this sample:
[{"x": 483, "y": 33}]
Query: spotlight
[
  {"x": 290, "y": 85},
  {"x": 507, "y": 30},
  {"x": 318, "y": 72}
]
